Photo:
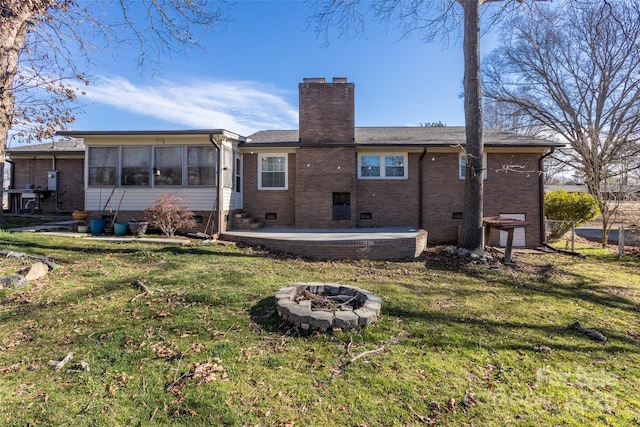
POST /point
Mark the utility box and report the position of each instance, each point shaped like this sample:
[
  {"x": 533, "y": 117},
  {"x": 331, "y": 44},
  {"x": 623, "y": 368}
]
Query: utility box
[{"x": 52, "y": 180}]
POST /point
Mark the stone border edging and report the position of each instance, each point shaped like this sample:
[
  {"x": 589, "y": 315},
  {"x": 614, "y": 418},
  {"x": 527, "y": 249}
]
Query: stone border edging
[{"x": 305, "y": 318}]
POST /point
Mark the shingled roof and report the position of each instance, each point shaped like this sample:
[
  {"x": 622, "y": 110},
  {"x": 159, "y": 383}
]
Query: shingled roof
[
  {"x": 444, "y": 136},
  {"x": 63, "y": 146}
]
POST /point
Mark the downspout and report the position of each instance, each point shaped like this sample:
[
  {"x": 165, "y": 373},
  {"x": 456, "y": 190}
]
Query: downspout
[
  {"x": 420, "y": 188},
  {"x": 219, "y": 185},
  {"x": 543, "y": 226}
]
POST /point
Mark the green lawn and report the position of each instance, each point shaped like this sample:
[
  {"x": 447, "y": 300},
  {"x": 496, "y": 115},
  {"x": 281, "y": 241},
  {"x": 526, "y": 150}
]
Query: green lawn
[{"x": 455, "y": 344}]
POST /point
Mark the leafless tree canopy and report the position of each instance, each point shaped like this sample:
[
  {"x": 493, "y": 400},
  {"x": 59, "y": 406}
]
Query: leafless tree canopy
[
  {"x": 46, "y": 45},
  {"x": 573, "y": 71}
]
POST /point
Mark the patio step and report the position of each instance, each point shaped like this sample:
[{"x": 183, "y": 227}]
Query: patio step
[{"x": 244, "y": 221}]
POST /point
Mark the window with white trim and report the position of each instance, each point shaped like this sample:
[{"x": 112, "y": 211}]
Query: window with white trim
[
  {"x": 272, "y": 171},
  {"x": 462, "y": 165},
  {"x": 382, "y": 166}
]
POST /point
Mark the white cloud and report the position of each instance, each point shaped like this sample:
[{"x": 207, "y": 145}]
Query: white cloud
[{"x": 240, "y": 106}]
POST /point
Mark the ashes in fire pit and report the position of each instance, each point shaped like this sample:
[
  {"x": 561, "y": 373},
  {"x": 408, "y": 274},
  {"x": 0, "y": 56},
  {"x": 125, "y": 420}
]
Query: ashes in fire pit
[{"x": 327, "y": 305}]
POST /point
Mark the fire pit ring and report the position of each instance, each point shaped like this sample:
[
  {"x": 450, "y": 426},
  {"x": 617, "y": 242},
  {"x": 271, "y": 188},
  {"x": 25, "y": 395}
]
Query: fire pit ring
[{"x": 323, "y": 306}]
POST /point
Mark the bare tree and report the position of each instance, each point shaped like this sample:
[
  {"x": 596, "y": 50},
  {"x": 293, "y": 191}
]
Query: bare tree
[
  {"x": 41, "y": 42},
  {"x": 443, "y": 19},
  {"x": 574, "y": 71}
]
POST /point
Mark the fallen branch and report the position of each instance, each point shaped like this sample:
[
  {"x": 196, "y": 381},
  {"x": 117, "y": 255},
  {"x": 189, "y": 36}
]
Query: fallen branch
[
  {"x": 139, "y": 285},
  {"x": 591, "y": 333},
  {"x": 365, "y": 353},
  {"x": 144, "y": 290},
  {"x": 59, "y": 365}
]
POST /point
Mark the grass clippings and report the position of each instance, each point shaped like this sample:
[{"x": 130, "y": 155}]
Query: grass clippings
[{"x": 201, "y": 344}]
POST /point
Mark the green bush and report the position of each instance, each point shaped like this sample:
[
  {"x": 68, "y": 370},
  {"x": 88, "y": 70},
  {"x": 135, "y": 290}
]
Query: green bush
[{"x": 568, "y": 208}]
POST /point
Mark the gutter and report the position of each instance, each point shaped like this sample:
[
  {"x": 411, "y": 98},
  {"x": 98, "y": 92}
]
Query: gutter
[
  {"x": 420, "y": 188},
  {"x": 219, "y": 185}
]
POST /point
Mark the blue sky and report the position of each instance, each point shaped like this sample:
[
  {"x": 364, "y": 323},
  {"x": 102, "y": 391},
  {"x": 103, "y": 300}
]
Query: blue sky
[{"x": 246, "y": 79}]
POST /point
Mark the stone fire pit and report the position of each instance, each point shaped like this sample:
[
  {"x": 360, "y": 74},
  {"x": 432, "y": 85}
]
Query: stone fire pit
[{"x": 323, "y": 306}]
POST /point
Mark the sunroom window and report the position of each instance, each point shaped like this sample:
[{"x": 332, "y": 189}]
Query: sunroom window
[
  {"x": 167, "y": 169},
  {"x": 135, "y": 166},
  {"x": 201, "y": 165},
  {"x": 103, "y": 164},
  {"x": 157, "y": 166}
]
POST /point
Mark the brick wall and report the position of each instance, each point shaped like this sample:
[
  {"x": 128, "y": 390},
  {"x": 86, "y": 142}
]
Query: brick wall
[
  {"x": 515, "y": 191},
  {"x": 326, "y": 112},
  {"x": 70, "y": 195},
  {"x": 260, "y": 202},
  {"x": 321, "y": 172},
  {"x": 391, "y": 203},
  {"x": 504, "y": 192}
]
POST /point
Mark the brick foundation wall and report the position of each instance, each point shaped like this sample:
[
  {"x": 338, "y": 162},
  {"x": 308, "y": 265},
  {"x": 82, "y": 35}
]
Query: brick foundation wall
[
  {"x": 335, "y": 250},
  {"x": 126, "y": 216}
]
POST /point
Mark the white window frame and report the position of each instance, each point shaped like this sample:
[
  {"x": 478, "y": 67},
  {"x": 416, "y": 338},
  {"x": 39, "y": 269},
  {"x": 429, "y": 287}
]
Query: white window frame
[
  {"x": 262, "y": 156},
  {"x": 462, "y": 162},
  {"x": 152, "y": 184},
  {"x": 382, "y": 157}
]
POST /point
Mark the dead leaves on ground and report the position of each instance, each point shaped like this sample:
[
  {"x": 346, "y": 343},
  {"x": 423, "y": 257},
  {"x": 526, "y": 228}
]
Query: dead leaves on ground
[{"x": 201, "y": 373}]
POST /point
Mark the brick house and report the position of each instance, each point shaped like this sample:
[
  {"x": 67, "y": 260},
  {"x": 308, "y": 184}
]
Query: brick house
[{"x": 331, "y": 174}]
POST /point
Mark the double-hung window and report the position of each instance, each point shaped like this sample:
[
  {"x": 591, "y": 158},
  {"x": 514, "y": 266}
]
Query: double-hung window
[
  {"x": 382, "y": 166},
  {"x": 272, "y": 172},
  {"x": 462, "y": 165}
]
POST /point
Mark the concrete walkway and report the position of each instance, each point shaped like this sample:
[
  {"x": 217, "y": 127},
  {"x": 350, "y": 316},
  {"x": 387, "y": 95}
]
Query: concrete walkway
[{"x": 55, "y": 229}]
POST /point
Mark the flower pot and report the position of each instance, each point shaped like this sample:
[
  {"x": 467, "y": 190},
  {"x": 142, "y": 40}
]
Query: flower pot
[
  {"x": 138, "y": 228},
  {"x": 80, "y": 215},
  {"x": 97, "y": 226},
  {"x": 120, "y": 228}
]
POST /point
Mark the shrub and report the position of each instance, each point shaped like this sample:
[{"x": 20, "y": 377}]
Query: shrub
[
  {"x": 567, "y": 208},
  {"x": 168, "y": 216}
]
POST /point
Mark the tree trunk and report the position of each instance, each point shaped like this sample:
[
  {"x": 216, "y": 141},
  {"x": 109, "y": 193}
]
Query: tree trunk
[
  {"x": 471, "y": 232},
  {"x": 13, "y": 31}
]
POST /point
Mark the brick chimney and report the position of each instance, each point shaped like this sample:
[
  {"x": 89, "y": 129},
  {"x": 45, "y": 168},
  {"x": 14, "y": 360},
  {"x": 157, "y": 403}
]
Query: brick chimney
[{"x": 326, "y": 111}]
